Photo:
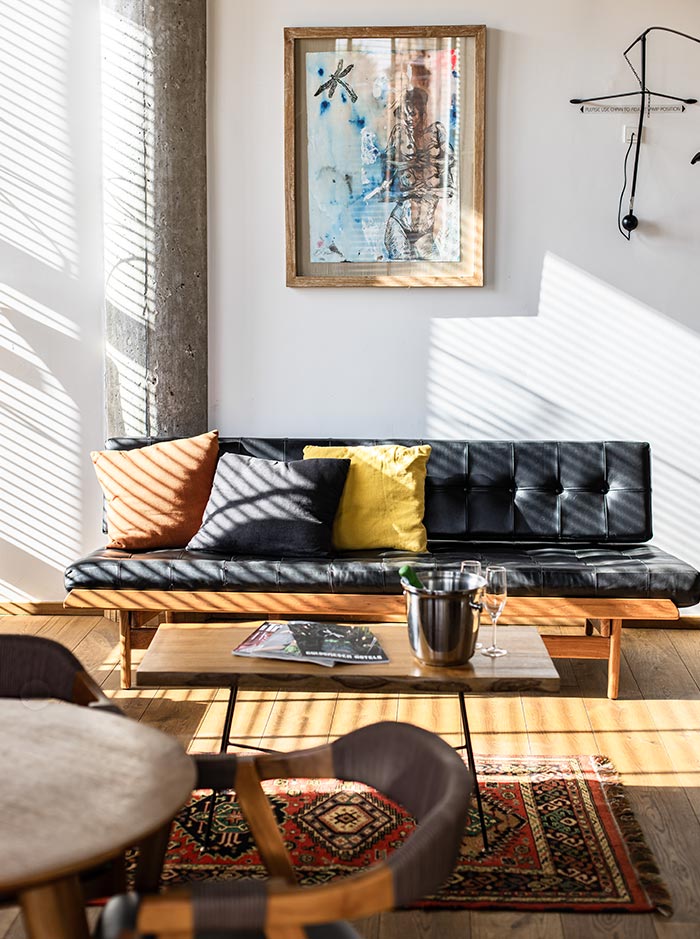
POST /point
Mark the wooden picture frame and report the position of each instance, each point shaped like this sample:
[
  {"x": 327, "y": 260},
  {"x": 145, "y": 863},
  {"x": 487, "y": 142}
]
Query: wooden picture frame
[{"x": 384, "y": 156}]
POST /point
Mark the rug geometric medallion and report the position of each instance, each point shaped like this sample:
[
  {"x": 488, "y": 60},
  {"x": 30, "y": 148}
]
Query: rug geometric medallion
[{"x": 561, "y": 837}]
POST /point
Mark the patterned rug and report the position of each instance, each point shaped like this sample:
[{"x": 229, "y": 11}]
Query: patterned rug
[{"x": 561, "y": 837}]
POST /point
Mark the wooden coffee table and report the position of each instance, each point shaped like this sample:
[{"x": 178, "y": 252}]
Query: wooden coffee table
[
  {"x": 198, "y": 655},
  {"x": 194, "y": 655}
]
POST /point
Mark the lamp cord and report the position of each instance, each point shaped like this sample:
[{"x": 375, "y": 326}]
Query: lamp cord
[{"x": 625, "y": 234}]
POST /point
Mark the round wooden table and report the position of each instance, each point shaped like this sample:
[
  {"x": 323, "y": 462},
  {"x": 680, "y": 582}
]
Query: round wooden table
[{"x": 77, "y": 787}]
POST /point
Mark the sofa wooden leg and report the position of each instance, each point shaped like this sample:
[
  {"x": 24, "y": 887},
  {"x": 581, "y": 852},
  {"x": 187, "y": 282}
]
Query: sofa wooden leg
[
  {"x": 614, "y": 658},
  {"x": 124, "y": 649},
  {"x": 600, "y": 626}
]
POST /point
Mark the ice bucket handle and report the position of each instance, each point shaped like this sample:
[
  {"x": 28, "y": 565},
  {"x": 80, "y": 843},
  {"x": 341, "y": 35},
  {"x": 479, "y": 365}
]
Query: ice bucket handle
[{"x": 425, "y": 591}]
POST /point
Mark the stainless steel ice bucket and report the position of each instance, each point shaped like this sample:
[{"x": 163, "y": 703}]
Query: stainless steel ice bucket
[{"x": 443, "y": 617}]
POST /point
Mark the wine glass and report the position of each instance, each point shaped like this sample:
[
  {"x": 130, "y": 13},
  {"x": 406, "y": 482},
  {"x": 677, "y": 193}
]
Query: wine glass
[
  {"x": 494, "y": 600},
  {"x": 472, "y": 567}
]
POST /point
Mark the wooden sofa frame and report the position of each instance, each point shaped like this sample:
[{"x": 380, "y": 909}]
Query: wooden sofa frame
[{"x": 601, "y": 638}]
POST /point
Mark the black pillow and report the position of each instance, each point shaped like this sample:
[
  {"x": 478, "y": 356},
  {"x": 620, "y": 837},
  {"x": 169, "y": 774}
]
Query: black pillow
[{"x": 265, "y": 507}]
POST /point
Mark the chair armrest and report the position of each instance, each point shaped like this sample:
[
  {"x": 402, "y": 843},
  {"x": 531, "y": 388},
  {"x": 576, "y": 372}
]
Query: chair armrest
[
  {"x": 86, "y": 691},
  {"x": 107, "y": 706}
]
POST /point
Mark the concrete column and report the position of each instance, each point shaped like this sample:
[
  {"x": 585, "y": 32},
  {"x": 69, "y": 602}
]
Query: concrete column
[{"x": 154, "y": 133}]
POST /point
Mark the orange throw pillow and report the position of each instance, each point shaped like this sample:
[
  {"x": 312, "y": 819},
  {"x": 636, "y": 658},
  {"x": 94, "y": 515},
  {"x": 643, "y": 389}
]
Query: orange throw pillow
[{"x": 156, "y": 495}]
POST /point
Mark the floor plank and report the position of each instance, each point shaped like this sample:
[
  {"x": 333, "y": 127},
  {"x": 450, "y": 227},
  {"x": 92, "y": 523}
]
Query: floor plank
[
  {"x": 358, "y": 710},
  {"x": 299, "y": 719},
  {"x": 608, "y": 926},
  {"x": 439, "y": 713},
  {"x": 558, "y": 726},
  {"x": 8, "y": 915},
  {"x": 486, "y": 925},
  {"x": 686, "y": 642}
]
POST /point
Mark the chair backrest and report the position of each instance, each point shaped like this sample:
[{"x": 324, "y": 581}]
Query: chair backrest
[
  {"x": 507, "y": 490},
  {"x": 410, "y": 765},
  {"x": 35, "y": 667},
  {"x": 424, "y": 774}
]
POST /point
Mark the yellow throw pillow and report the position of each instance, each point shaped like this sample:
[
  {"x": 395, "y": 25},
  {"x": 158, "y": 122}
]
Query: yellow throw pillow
[{"x": 383, "y": 501}]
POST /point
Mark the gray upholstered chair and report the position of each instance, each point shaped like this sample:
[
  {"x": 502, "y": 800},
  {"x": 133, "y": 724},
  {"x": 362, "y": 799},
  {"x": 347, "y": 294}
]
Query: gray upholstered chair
[
  {"x": 412, "y": 766},
  {"x": 35, "y": 667}
]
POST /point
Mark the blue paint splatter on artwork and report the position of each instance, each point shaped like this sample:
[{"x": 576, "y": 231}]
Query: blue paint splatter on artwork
[
  {"x": 455, "y": 73},
  {"x": 324, "y": 106},
  {"x": 358, "y": 121},
  {"x": 343, "y": 97},
  {"x": 321, "y": 72},
  {"x": 453, "y": 112}
]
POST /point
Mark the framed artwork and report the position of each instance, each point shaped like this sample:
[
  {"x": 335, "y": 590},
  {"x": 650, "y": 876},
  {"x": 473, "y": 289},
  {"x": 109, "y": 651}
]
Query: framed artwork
[{"x": 384, "y": 156}]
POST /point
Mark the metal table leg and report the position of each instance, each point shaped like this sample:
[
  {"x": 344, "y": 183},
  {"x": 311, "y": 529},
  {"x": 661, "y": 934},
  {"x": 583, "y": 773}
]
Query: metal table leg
[
  {"x": 228, "y": 720},
  {"x": 223, "y": 747},
  {"x": 472, "y": 766}
]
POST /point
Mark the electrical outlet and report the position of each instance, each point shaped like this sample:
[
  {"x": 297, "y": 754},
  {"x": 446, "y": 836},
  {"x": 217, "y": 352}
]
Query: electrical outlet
[{"x": 628, "y": 132}]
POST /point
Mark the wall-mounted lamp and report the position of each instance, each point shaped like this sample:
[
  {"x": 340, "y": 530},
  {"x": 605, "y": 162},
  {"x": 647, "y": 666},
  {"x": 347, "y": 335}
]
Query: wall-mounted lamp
[{"x": 629, "y": 222}]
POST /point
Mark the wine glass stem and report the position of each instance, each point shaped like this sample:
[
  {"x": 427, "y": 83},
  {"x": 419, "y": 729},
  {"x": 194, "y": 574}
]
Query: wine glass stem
[{"x": 494, "y": 620}]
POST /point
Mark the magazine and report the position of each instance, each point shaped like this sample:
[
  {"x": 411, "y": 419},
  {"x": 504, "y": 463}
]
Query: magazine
[
  {"x": 274, "y": 641},
  {"x": 336, "y": 642},
  {"x": 308, "y": 641}
]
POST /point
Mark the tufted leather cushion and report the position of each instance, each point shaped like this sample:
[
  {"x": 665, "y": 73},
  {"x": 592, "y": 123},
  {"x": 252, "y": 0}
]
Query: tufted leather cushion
[
  {"x": 533, "y": 570},
  {"x": 566, "y": 518},
  {"x": 500, "y": 490}
]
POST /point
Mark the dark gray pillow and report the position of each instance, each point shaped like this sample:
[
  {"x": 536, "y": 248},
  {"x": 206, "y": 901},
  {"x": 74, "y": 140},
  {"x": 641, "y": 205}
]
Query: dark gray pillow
[{"x": 266, "y": 507}]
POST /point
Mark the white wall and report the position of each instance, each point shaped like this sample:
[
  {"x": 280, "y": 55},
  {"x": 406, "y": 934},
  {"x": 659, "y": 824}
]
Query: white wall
[
  {"x": 577, "y": 333},
  {"x": 50, "y": 291}
]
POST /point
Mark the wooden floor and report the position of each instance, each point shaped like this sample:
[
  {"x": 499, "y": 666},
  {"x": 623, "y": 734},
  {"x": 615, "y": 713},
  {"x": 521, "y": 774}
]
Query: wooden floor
[{"x": 652, "y": 734}]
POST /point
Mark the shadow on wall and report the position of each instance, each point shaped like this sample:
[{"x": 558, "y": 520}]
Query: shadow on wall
[
  {"x": 40, "y": 425},
  {"x": 128, "y": 180},
  {"x": 50, "y": 280},
  {"x": 594, "y": 364}
]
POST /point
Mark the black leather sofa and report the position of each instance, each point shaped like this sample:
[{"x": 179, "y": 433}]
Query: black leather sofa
[{"x": 570, "y": 520}]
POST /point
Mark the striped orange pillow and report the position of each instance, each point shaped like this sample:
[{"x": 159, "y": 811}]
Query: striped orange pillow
[{"x": 156, "y": 495}]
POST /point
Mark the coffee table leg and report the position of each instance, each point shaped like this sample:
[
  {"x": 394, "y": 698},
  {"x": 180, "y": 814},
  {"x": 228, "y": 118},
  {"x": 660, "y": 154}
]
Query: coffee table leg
[
  {"x": 55, "y": 910},
  {"x": 223, "y": 747},
  {"x": 228, "y": 720},
  {"x": 472, "y": 766}
]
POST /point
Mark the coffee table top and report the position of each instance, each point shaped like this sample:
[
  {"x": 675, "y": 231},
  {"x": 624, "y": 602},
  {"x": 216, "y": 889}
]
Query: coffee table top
[{"x": 184, "y": 655}]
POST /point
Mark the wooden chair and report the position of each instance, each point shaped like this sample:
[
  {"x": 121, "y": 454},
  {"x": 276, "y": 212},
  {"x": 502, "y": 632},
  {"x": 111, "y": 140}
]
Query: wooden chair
[{"x": 412, "y": 766}]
